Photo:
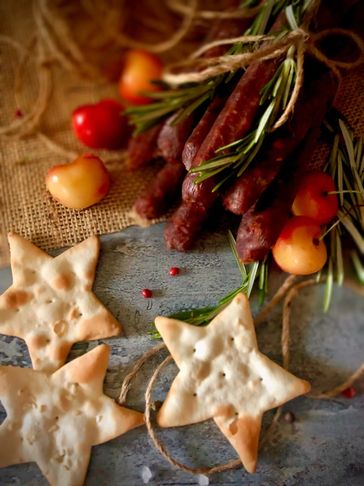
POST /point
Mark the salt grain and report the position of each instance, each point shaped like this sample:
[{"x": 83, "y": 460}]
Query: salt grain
[
  {"x": 203, "y": 480},
  {"x": 146, "y": 474}
]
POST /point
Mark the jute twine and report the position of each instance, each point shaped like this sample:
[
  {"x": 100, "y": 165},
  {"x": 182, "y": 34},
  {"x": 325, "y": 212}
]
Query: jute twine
[
  {"x": 287, "y": 291},
  {"x": 301, "y": 39},
  {"x": 60, "y": 55},
  {"x": 54, "y": 56}
]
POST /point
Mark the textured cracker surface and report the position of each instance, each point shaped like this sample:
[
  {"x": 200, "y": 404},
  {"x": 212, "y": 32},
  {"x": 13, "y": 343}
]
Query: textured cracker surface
[
  {"x": 323, "y": 447},
  {"x": 51, "y": 304}
]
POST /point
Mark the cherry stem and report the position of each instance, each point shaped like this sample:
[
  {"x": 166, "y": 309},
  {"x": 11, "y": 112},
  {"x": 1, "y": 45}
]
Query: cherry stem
[
  {"x": 328, "y": 230},
  {"x": 342, "y": 192}
]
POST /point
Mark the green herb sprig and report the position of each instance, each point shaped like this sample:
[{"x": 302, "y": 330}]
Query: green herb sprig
[
  {"x": 346, "y": 166},
  {"x": 251, "y": 274},
  {"x": 233, "y": 159},
  {"x": 185, "y": 100}
]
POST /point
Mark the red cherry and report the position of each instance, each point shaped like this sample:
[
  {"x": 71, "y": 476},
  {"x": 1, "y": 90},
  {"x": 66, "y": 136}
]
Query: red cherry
[
  {"x": 312, "y": 198},
  {"x": 147, "y": 294},
  {"x": 173, "y": 271},
  {"x": 101, "y": 125},
  {"x": 349, "y": 392}
]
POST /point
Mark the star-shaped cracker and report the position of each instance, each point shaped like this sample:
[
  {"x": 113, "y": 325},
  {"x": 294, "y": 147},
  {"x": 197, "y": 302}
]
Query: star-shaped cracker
[
  {"x": 224, "y": 376},
  {"x": 51, "y": 304},
  {"x": 55, "y": 419}
]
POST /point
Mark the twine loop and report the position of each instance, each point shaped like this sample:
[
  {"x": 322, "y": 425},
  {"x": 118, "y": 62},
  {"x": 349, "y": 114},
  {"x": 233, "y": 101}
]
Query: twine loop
[
  {"x": 287, "y": 291},
  {"x": 267, "y": 48}
]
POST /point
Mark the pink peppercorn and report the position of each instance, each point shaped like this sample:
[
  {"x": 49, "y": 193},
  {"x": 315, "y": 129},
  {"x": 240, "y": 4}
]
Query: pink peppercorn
[
  {"x": 173, "y": 271},
  {"x": 147, "y": 294},
  {"x": 349, "y": 392}
]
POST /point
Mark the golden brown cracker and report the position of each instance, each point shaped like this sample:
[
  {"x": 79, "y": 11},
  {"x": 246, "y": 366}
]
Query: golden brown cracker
[
  {"x": 224, "y": 376},
  {"x": 50, "y": 303}
]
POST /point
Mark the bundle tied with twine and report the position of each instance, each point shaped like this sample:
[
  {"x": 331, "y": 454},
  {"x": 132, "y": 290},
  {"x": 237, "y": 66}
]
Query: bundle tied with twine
[
  {"x": 304, "y": 42},
  {"x": 51, "y": 51},
  {"x": 287, "y": 292}
]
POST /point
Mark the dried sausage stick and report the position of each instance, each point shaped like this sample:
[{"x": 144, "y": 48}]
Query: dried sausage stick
[
  {"x": 311, "y": 106},
  {"x": 142, "y": 148},
  {"x": 163, "y": 191}
]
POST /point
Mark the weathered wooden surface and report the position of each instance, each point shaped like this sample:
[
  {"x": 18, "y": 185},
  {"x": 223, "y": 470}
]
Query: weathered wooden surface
[{"x": 324, "y": 446}]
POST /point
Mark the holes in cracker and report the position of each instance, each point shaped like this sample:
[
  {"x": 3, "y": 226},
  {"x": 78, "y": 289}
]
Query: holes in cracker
[
  {"x": 195, "y": 394},
  {"x": 60, "y": 328},
  {"x": 75, "y": 312},
  {"x": 2, "y": 413}
]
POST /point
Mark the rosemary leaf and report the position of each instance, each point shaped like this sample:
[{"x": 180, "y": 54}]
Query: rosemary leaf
[
  {"x": 213, "y": 164},
  {"x": 240, "y": 265},
  {"x": 350, "y": 227},
  {"x": 340, "y": 177},
  {"x": 251, "y": 157},
  {"x": 222, "y": 182},
  {"x": 339, "y": 259},
  {"x": 230, "y": 145},
  {"x": 207, "y": 174},
  {"x": 291, "y": 74},
  {"x": 358, "y": 266},
  {"x": 329, "y": 286},
  {"x": 251, "y": 277},
  {"x": 191, "y": 108},
  {"x": 263, "y": 122},
  {"x": 291, "y": 17}
]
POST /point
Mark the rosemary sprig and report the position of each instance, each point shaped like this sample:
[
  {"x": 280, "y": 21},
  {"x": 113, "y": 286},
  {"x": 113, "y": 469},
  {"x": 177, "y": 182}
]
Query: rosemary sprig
[
  {"x": 250, "y": 275},
  {"x": 233, "y": 159},
  {"x": 346, "y": 166},
  {"x": 190, "y": 97}
]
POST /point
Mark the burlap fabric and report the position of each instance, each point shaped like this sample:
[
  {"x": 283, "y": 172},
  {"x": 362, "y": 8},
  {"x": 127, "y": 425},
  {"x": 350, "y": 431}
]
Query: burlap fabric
[{"x": 25, "y": 205}]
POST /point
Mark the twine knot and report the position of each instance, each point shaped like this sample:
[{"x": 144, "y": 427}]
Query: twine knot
[{"x": 269, "y": 47}]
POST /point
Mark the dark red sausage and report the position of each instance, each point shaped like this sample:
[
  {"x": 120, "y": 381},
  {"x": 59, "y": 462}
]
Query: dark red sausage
[
  {"x": 233, "y": 122},
  {"x": 261, "y": 225},
  {"x": 172, "y": 138},
  {"x": 312, "y": 105},
  {"x": 163, "y": 191},
  {"x": 187, "y": 219},
  {"x": 201, "y": 130},
  {"x": 142, "y": 148}
]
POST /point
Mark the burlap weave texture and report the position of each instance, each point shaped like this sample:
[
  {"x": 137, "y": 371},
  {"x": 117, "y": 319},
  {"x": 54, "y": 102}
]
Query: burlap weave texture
[{"x": 25, "y": 205}]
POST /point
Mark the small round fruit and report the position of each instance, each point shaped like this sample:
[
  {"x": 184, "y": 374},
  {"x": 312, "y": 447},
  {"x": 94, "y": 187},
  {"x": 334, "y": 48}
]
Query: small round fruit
[
  {"x": 298, "y": 249},
  {"x": 140, "y": 68},
  {"x": 79, "y": 184},
  {"x": 312, "y": 198},
  {"x": 101, "y": 125}
]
